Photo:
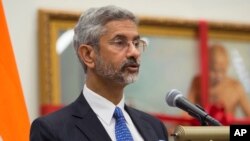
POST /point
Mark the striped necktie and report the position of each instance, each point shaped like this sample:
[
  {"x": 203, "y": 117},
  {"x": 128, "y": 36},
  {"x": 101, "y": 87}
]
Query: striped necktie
[{"x": 122, "y": 132}]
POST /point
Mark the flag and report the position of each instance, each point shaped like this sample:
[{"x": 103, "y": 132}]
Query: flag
[{"x": 14, "y": 121}]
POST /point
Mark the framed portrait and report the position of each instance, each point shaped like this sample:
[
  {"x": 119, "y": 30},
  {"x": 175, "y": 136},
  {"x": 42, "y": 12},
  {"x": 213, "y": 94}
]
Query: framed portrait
[{"x": 235, "y": 40}]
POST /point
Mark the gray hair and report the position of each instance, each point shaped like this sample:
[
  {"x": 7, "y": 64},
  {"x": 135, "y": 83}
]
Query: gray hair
[{"x": 90, "y": 26}]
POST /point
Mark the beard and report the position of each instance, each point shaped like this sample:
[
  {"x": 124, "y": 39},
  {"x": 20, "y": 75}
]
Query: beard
[{"x": 116, "y": 74}]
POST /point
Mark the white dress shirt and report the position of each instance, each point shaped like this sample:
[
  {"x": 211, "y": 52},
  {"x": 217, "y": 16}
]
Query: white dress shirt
[{"x": 104, "y": 109}]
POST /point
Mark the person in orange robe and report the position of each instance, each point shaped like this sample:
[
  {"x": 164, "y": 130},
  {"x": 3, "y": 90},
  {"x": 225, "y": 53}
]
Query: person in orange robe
[{"x": 225, "y": 93}]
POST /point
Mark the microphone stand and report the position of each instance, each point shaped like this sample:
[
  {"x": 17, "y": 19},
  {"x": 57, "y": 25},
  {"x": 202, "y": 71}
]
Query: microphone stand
[{"x": 204, "y": 120}]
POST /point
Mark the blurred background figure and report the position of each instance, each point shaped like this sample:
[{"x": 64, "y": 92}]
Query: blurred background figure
[{"x": 225, "y": 94}]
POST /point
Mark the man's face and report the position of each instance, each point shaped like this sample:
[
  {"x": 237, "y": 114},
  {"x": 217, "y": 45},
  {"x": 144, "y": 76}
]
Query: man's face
[
  {"x": 115, "y": 60},
  {"x": 218, "y": 68}
]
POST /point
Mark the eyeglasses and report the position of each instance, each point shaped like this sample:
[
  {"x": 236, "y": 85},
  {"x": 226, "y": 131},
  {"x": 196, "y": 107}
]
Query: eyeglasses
[{"x": 139, "y": 44}]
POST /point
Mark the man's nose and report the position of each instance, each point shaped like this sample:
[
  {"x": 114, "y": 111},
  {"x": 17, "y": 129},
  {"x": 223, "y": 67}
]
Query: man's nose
[{"x": 133, "y": 51}]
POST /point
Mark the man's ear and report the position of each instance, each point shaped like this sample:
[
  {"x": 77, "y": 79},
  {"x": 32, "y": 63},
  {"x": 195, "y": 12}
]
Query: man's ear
[{"x": 87, "y": 55}]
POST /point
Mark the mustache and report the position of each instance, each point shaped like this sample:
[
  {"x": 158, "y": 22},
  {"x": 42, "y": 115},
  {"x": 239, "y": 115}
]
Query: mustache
[{"x": 131, "y": 62}]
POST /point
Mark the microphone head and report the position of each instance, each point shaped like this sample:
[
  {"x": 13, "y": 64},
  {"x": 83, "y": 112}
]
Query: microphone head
[{"x": 172, "y": 96}]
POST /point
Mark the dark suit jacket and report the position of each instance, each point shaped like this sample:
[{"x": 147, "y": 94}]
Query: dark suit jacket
[{"x": 78, "y": 122}]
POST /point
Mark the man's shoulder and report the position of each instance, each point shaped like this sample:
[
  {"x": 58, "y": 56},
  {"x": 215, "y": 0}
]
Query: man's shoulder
[
  {"x": 64, "y": 112},
  {"x": 144, "y": 115},
  {"x": 235, "y": 84},
  {"x": 56, "y": 116},
  {"x": 57, "y": 124},
  {"x": 149, "y": 121}
]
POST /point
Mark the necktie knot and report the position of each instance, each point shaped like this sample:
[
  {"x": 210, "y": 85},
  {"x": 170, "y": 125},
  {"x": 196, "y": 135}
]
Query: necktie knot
[{"x": 118, "y": 113}]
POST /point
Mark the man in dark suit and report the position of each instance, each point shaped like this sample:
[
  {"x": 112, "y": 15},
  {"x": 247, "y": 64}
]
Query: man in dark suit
[{"x": 108, "y": 45}]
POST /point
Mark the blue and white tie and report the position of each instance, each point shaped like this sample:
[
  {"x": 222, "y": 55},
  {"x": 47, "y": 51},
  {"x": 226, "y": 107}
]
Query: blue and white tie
[{"x": 122, "y": 132}]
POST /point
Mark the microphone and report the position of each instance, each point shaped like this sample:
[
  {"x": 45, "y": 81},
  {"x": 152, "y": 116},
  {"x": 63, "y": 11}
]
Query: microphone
[{"x": 174, "y": 98}]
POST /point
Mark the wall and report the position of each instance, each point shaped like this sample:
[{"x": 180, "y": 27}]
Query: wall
[{"x": 22, "y": 23}]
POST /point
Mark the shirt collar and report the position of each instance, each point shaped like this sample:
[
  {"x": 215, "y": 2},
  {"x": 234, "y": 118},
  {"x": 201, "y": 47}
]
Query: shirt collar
[{"x": 103, "y": 108}]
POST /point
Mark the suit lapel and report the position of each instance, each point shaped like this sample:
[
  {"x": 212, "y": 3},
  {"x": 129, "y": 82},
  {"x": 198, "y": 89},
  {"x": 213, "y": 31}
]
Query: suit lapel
[
  {"x": 87, "y": 121},
  {"x": 144, "y": 128}
]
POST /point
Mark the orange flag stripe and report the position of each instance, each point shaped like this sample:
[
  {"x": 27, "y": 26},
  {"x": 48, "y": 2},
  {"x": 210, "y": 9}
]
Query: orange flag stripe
[{"x": 14, "y": 121}]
